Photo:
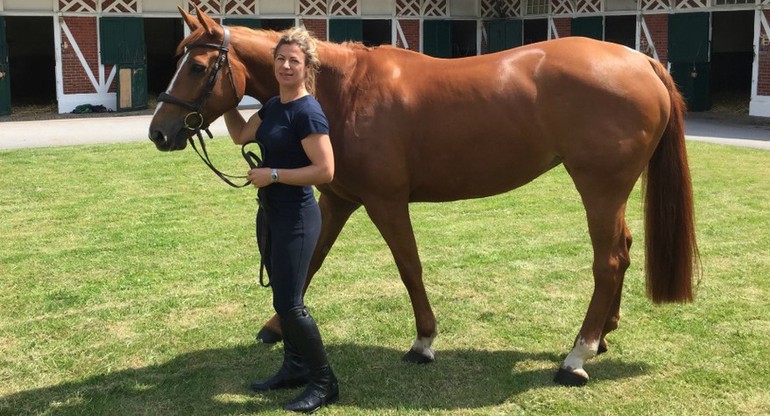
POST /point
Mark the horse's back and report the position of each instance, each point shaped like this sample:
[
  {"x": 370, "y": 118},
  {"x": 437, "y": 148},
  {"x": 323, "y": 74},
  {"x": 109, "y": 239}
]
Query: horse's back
[{"x": 507, "y": 116}]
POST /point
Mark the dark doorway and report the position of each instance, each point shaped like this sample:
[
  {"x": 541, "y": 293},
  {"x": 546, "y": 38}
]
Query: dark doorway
[
  {"x": 620, "y": 29},
  {"x": 463, "y": 38},
  {"x": 162, "y": 35},
  {"x": 732, "y": 57},
  {"x": 449, "y": 38},
  {"x": 376, "y": 32},
  {"x": 503, "y": 34},
  {"x": 277, "y": 24},
  {"x": 535, "y": 30},
  {"x": 588, "y": 27},
  {"x": 31, "y": 60}
]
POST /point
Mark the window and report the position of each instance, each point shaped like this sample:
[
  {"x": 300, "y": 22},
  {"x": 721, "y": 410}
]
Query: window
[
  {"x": 732, "y": 2},
  {"x": 538, "y": 7}
]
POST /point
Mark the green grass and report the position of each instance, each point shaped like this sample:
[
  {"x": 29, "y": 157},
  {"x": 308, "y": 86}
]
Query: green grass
[{"x": 129, "y": 282}]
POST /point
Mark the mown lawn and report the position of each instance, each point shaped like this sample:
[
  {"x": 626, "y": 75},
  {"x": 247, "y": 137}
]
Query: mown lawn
[{"x": 129, "y": 282}]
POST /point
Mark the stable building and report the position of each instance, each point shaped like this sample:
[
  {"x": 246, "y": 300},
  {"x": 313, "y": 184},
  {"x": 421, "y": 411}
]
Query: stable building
[{"x": 120, "y": 54}]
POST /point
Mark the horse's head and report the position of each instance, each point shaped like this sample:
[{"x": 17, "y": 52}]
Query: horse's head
[{"x": 207, "y": 83}]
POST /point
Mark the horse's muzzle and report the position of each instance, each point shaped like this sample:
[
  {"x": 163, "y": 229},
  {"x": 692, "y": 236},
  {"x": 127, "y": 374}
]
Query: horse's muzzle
[{"x": 166, "y": 143}]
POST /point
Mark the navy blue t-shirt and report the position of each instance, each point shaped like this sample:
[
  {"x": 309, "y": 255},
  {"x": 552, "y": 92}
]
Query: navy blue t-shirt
[{"x": 281, "y": 131}]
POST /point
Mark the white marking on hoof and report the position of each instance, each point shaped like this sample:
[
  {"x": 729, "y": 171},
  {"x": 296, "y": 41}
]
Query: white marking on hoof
[
  {"x": 580, "y": 353},
  {"x": 423, "y": 346}
]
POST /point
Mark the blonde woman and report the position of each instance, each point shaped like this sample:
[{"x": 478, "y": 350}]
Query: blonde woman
[{"x": 298, "y": 154}]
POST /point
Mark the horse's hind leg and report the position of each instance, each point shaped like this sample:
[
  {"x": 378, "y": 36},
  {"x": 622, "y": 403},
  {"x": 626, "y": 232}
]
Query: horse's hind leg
[
  {"x": 614, "y": 317},
  {"x": 335, "y": 213},
  {"x": 605, "y": 211}
]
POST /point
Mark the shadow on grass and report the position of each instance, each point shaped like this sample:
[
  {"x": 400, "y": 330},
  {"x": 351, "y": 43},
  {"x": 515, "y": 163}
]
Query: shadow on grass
[{"x": 215, "y": 381}]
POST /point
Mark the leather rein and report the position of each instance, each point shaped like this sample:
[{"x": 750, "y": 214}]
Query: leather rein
[{"x": 195, "y": 122}]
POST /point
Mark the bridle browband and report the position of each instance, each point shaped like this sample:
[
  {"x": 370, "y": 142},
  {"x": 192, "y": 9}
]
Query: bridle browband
[{"x": 194, "y": 120}]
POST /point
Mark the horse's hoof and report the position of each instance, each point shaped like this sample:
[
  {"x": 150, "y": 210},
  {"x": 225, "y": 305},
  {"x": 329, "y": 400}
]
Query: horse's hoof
[
  {"x": 268, "y": 336},
  {"x": 415, "y": 357},
  {"x": 568, "y": 378}
]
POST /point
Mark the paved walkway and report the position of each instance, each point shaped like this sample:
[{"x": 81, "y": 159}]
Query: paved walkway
[
  {"x": 86, "y": 130},
  {"x": 705, "y": 128},
  {"x": 113, "y": 129}
]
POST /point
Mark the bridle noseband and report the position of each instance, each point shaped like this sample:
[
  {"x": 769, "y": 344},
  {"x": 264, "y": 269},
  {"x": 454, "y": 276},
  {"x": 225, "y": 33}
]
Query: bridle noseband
[{"x": 194, "y": 120}]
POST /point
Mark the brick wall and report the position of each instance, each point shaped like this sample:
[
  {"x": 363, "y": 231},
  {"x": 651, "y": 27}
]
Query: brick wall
[
  {"x": 658, "y": 27},
  {"x": 411, "y": 30},
  {"x": 763, "y": 84},
  {"x": 317, "y": 27},
  {"x": 563, "y": 26},
  {"x": 83, "y": 30}
]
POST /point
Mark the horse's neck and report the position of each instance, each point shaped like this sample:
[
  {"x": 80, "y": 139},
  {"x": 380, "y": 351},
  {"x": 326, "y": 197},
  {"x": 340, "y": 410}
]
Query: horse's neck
[
  {"x": 338, "y": 62},
  {"x": 255, "y": 53}
]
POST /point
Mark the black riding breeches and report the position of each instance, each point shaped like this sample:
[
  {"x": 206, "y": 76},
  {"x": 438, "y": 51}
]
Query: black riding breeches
[{"x": 291, "y": 236}]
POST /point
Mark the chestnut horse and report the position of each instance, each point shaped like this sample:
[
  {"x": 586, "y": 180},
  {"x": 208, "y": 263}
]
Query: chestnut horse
[{"x": 400, "y": 121}]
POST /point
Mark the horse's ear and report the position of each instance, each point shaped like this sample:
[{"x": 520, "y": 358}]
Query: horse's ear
[
  {"x": 189, "y": 19},
  {"x": 209, "y": 25}
]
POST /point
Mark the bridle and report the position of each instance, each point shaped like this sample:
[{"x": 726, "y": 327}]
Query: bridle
[{"x": 194, "y": 120}]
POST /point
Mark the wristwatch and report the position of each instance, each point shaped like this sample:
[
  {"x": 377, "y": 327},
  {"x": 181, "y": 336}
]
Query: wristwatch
[{"x": 274, "y": 176}]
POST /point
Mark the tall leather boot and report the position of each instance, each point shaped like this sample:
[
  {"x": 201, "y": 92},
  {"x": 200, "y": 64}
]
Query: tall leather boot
[
  {"x": 292, "y": 373},
  {"x": 300, "y": 330}
]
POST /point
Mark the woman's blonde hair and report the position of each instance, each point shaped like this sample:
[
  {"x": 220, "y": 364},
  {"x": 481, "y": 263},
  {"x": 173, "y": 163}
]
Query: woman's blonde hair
[{"x": 309, "y": 46}]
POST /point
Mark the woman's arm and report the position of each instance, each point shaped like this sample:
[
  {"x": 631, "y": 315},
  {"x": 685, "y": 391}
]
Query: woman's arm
[
  {"x": 318, "y": 148},
  {"x": 241, "y": 131}
]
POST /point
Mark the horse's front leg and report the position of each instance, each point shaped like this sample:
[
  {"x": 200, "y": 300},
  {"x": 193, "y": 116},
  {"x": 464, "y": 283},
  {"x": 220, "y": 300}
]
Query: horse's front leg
[
  {"x": 392, "y": 220},
  {"x": 335, "y": 213}
]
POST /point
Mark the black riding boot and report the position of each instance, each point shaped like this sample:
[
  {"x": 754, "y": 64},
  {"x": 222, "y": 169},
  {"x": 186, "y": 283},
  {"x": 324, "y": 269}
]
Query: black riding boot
[
  {"x": 292, "y": 373},
  {"x": 300, "y": 329}
]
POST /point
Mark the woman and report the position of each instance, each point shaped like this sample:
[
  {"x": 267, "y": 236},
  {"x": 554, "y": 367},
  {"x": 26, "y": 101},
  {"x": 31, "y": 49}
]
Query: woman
[{"x": 297, "y": 154}]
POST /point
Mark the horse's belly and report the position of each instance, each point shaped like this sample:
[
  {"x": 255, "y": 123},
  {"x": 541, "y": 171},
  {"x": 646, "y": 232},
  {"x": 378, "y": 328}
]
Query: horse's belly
[{"x": 476, "y": 177}]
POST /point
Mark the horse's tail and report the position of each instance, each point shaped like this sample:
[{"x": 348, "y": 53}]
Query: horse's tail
[{"x": 671, "y": 249}]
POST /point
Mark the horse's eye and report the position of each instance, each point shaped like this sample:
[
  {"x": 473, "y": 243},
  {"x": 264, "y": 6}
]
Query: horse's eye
[{"x": 197, "y": 69}]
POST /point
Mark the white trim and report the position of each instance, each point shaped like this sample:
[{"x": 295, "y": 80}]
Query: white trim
[
  {"x": 763, "y": 19},
  {"x": 552, "y": 33},
  {"x": 110, "y": 77},
  {"x": 480, "y": 33},
  {"x": 68, "y": 102},
  {"x": 401, "y": 35},
  {"x": 58, "y": 67},
  {"x": 422, "y": 37},
  {"x": 759, "y": 106},
  {"x": 755, "y": 61},
  {"x": 649, "y": 38},
  {"x": 81, "y": 57}
]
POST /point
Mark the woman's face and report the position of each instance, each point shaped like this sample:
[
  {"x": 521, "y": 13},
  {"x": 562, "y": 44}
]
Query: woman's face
[{"x": 289, "y": 65}]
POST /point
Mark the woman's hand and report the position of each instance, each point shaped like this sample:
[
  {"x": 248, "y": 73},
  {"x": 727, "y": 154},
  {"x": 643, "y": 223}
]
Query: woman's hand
[{"x": 260, "y": 177}]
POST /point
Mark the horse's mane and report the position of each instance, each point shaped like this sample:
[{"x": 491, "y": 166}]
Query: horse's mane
[
  {"x": 353, "y": 46},
  {"x": 199, "y": 33}
]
